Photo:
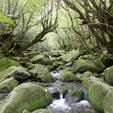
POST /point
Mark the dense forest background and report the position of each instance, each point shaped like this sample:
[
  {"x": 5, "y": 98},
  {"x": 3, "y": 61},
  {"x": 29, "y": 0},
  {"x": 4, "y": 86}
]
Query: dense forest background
[{"x": 65, "y": 24}]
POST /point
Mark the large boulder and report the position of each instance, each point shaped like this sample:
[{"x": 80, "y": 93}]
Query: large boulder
[
  {"x": 70, "y": 55},
  {"x": 6, "y": 63},
  {"x": 41, "y": 72},
  {"x": 41, "y": 59},
  {"x": 108, "y": 75},
  {"x": 108, "y": 103},
  {"x": 8, "y": 85},
  {"x": 82, "y": 65},
  {"x": 67, "y": 76},
  {"x": 28, "y": 96},
  {"x": 19, "y": 73},
  {"x": 97, "y": 90},
  {"x": 81, "y": 77}
]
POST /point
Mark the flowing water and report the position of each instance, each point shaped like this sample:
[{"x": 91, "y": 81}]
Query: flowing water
[
  {"x": 67, "y": 104},
  {"x": 60, "y": 104}
]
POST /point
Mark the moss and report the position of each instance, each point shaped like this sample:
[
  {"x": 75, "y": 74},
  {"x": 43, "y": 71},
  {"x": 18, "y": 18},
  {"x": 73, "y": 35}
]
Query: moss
[
  {"x": 7, "y": 73},
  {"x": 50, "y": 67},
  {"x": 70, "y": 55},
  {"x": 6, "y": 63},
  {"x": 108, "y": 102},
  {"x": 77, "y": 93},
  {"x": 8, "y": 85},
  {"x": 64, "y": 91},
  {"x": 87, "y": 65},
  {"x": 58, "y": 64},
  {"x": 60, "y": 67},
  {"x": 43, "y": 111},
  {"x": 97, "y": 90},
  {"x": 108, "y": 75},
  {"x": 34, "y": 59},
  {"x": 96, "y": 95},
  {"x": 1, "y": 56},
  {"x": 28, "y": 96},
  {"x": 67, "y": 76},
  {"x": 56, "y": 54},
  {"x": 41, "y": 72},
  {"x": 18, "y": 73},
  {"x": 85, "y": 75},
  {"x": 46, "y": 77},
  {"x": 41, "y": 59}
]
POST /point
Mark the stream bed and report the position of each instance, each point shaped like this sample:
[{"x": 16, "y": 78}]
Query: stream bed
[
  {"x": 61, "y": 92},
  {"x": 66, "y": 103}
]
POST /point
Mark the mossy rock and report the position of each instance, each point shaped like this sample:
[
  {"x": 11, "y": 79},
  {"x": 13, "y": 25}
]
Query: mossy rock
[
  {"x": 5, "y": 63},
  {"x": 16, "y": 58},
  {"x": 41, "y": 72},
  {"x": 28, "y": 96},
  {"x": 19, "y": 73},
  {"x": 60, "y": 67},
  {"x": 78, "y": 93},
  {"x": 67, "y": 76},
  {"x": 64, "y": 91},
  {"x": 108, "y": 75},
  {"x": 56, "y": 54},
  {"x": 8, "y": 85},
  {"x": 57, "y": 64},
  {"x": 39, "y": 111},
  {"x": 43, "y": 111},
  {"x": 97, "y": 90},
  {"x": 70, "y": 55},
  {"x": 41, "y": 59},
  {"x": 46, "y": 77},
  {"x": 50, "y": 67},
  {"x": 82, "y": 65},
  {"x": 108, "y": 102},
  {"x": 81, "y": 77}
]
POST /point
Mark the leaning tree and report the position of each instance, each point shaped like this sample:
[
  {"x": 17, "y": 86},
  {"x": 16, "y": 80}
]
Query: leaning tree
[
  {"x": 18, "y": 17},
  {"x": 98, "y": 16}
]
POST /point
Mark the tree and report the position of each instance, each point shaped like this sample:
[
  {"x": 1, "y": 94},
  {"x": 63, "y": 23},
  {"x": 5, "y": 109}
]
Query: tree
[
  {"x": 98, "y": 16},
  {"x": 22, "y": 16}
]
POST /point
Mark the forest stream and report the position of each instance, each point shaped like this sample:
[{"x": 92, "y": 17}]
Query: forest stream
[
  {"x": 63, "y": 102},
  {"x": 56, "y": 56}
]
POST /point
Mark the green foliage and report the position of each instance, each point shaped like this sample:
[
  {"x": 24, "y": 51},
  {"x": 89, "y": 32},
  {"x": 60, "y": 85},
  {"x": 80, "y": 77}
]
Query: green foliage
[
  {"x": 6, "y": 23},
  {"x": 5, "y": 19}
]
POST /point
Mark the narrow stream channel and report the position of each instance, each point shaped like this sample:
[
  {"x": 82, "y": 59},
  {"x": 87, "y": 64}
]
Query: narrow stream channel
[
  {"x": 68, "y": 104},
  {"x": 64, "y": 103}
]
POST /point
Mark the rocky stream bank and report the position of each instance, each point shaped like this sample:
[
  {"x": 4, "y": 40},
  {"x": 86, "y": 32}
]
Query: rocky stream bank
[{"x": 56, "y": 82}]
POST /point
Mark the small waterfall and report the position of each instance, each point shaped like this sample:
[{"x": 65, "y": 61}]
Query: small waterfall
[
  {"x": 50, "y": 57},
  {"x": 57, "y": 73},
  {"x": 61, "y": 96},
  {"x": 59, "y": 104},
  {"x": 85, "y": 93}
]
